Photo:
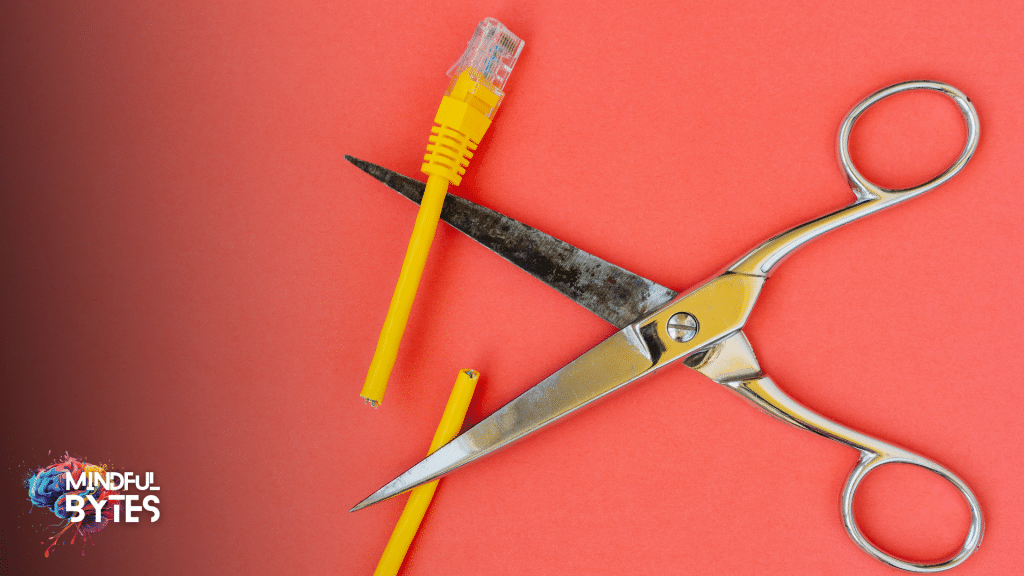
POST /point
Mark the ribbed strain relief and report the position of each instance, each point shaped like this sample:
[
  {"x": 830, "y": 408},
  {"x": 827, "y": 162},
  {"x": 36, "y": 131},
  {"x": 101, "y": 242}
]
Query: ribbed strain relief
[{"x": 448, "y": 153}]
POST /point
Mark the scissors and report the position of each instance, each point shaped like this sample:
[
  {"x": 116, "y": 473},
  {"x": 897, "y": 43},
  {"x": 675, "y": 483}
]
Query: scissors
[{"x": 701, "y": 328}]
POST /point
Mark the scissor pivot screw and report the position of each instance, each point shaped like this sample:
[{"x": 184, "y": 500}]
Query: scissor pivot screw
[{"x": 682, "y": 327}]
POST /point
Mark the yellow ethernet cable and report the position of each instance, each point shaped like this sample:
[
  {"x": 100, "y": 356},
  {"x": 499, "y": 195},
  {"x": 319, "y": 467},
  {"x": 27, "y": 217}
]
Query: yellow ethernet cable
[
  {"x": 473, "y": 96},
  {"x": 419, "y": 499}
]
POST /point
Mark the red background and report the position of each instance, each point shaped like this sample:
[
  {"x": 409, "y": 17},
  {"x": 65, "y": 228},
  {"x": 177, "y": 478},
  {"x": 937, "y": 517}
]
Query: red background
[{"x": 195, "y": 279}]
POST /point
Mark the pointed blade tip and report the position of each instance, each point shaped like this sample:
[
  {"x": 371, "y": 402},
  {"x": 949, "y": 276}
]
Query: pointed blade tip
[
  {"x": 368, "y": 501},
  {"x": 379, "y": 172},
  {"x": 378, "y": 496}
]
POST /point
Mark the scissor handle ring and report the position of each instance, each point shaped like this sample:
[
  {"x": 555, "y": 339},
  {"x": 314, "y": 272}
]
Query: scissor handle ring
[
  {"x": 864, "y": 188},
  {"x": 872, "y": 460}
]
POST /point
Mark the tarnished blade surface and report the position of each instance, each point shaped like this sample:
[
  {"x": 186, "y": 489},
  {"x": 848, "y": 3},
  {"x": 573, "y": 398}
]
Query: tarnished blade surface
[{"x": 618, "y": 296}]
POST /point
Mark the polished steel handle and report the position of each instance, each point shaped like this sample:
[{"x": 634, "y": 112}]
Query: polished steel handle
[
  {"x": 732, "y": 363},
  {"x": 867, "y": 190},
  {"x": 881, "y": 453},
  {"x": 870, "y": 197},
  {"x": 874, "y": 453}
]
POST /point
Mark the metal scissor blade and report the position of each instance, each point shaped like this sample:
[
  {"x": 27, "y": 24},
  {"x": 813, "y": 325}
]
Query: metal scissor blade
[
  {"x": 616, "y": 295},
  {"x": 613, "y": 363}
]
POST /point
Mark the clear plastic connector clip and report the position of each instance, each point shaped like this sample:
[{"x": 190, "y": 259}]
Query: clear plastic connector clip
[{"x": 488, "y": 60}]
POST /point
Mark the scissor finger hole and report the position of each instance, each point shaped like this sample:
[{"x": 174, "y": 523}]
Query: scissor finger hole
[
  {"x": 911, "y": 513},
  {"x": 907, "y": 139}
]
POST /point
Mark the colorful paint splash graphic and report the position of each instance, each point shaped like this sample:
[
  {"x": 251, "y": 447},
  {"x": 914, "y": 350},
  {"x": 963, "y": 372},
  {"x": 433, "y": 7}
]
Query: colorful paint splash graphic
[{"x": 47, "y": 488}]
